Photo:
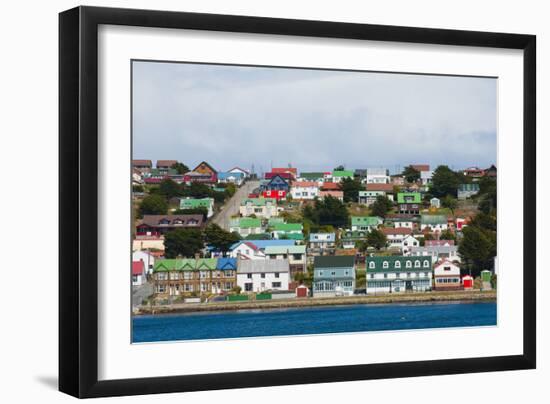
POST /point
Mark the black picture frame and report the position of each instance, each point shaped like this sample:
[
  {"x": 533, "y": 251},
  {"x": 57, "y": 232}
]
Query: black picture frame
[{"x": 78, "y": 200}]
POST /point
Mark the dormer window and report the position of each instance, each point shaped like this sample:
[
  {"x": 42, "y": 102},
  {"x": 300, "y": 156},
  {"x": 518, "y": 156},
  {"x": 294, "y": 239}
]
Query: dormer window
[
  {"x": 408, "y": 264},
  {"x": 385, "y": 264},
  {"x": 397, "y": 264},
  {"x": 164, "y": 221},
  {"x": 371, "y": 265},
  {"x": 427, "y": 264},
  {"x": 417, "y": 264}
]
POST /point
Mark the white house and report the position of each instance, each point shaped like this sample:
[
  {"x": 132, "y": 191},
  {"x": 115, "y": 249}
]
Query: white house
[
  {"x": 435, "y": 203},
  {"x": 138, "y": 273},
  {"x": 437, "y": 252},
  {"x": 446, "y": 276},
  {"x": 246, "y": 250},
  {"x": 395, "y": 274},
  {"x": 426, "y": 177},
  {"x": 396, "y": 235},
  {"x": 245, "y": 173},
  {"x": 295, "y": 254},
  {"x": 304, "y": 190},
  {"x": 435, "y": 223},
  {"x": 262, "y": 275},
  {"x": 259, "y": 207},
  {"x": 377, "y": 176},
  {"x": 408, "y": 243},
  {"x": 321, "y": 241},
  {"x": 147, "y": 258}
]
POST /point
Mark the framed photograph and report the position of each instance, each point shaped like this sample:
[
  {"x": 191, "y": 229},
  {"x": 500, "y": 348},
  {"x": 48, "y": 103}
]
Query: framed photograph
[{"x": 250, "y": 201}]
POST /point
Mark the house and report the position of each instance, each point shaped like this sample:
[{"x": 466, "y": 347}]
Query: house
[
  {"x": 276, "y": 183},
  {"x": 321, "y": 242},
  {"x": 349, "y": 238},
  {"x": 467, "y": 190},
  {"x": 146, "y": 257},
  {"x": 330, "y": 186},
  {"x": 373, "y": 191},
  {"x": 302, "y": 291},
  {"x": 461, "y": 223},
  {"x": 138, "y": 273},
  {"x": 433, "y": 223},
  {"x": 397, "y": 235},
  {"x": 446, "y": 276},
  {"x": 295, "y": 254},
  {"x": 333, "y": 276},
  {"x": 274, "y": 194},
  {"x": 165, "y": 165},
  {"x": 398, "y": 180},
  {"x": 236, "y": 178},
  {"x": 360, "y": 173},
  {"x": 149, "y": 243},
  {"x": 426, "y": 177},
  {"x": 156, "y": 175},
  {"x": 408, "y": 243},
  {"x": 304, "y": 190},
  {"x": 377, "y": 176},
  {"x": 175, "y": 277},
  {"x": 334, "y": 194},
  {"x": 245, "y": 226},
  {"x": 156, "y": 225},
  {"x": 409, "y": 203},
  {"x": 366, "y": 223},
  {"x": 263, "y": 275},
  {"x": 204, "y": 168},
  {"x": 288, "y": 177},
  {"x": 467, "y": 282},
  {"x": 394, "y": 274},
  {"x": 285, "y": 230},
  {"x": 203, "y": 178},
  {"x": 142, "y": 165},
  {"x": 435, "y": 203},
  {"x": 255, "y": 249},
  {"x": 137, "y": 177},
  {"x": 293, "y": 171},
  {"x": 436, "y": 252},
  {"x": 192, "y": 203},
  {"x": 238, "y": 170},
  {"x": 260, "y": 207},
  {"x": 317, "y": 177},
  {"x": 474, "y": 172},
  {"x": 399, "y": 220},
  {"x": 339, "y": 175}
]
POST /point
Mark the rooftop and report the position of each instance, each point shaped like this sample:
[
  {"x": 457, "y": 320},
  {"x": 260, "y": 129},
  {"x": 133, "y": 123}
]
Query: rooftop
[
  {"x": 329, "y": 261},
  {"x": 262, "y": 266}
]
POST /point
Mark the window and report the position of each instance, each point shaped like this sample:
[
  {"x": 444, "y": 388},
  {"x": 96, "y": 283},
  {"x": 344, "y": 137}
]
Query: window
[
  {"x": 408, "y": 264},
  {"x": 248, "y": 287},
  {"x": 408, "y": 274},
  {"x": 446, "y": 268},
  {"x": 371, "y": 276},
  {"x": 333, "y": 273},
  {"x": 275, "y": 284},
  {"x": 371, "y": 265},
  {"x": 417, "y": 264},
  {"x": 263, "y": 276},
  {"x": 397, "y": 264},
  {"x": 385, "y": 264},
  {"x": 161, "y": 288},
  {"x": 249, "y": 276},
  {"x": 426, "y": 274},
  {"x": 426, "y": 264},
  {"x": 385, "y": 276},
  {"x": 276, "y": 274}
]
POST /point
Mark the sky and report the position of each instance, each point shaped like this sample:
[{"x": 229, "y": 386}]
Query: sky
[{"x": 314, "y": 120}]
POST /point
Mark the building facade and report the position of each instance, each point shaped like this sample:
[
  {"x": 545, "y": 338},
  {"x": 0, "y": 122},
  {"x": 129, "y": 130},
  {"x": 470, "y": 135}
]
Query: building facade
[
  {"x": 263, "y": 275},
  {"x": 333, "y": 276},
  {"x": 395, "y": 274}
]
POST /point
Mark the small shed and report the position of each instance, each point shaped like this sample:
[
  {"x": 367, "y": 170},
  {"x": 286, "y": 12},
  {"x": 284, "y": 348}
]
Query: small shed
[
  {"x": 302, "y": 291},
  {"x": 468, "y": 282},
  {"x": 435, "y": 203}
]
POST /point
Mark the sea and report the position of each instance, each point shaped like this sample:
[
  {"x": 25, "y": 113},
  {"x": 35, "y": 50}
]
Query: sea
[{"x": 311, "y": 320}]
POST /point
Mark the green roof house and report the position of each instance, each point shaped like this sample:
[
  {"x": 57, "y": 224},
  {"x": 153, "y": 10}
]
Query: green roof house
[
  {"x": 366, "y": 223},
  {"x": 192, "y": 203},
  {"x": 246, "y": 226},
  {"x": 393, "y": 274},
  {"x": 260, "y": 207},
  {"x": 339, "y": 175},
  {"x": 409, "y": 197},
  {"x": 433, "y": 223},
  {"x": 286, "y": 230}
]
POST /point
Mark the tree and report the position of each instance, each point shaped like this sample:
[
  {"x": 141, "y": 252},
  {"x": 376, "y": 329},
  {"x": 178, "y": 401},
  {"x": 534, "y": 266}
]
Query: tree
[
  {"x": 220, "y": 238},
  {"x": 477, "y": 248},
  {"x": 411, "y": 174},
  {"x": 376, "y": 239},
  {"x": 381, "y": 206},
  {"x": 487, "y": 195},
  {"x": 329, "y": 211},
  {"x": 339, "y": 168},
  {"x": 351, "y": 188},
  {"x": 169, "y": 188},
  {"x": 450, "y": 203},
  {"x": 180, "y": 168},
  {"x": 153, "y": 205},
  {"x": 447, "y": 235},
  {"x": 183, "y": 242},
  {"x": 201, "y": 210},
  {"x": 445, "y": 182}
]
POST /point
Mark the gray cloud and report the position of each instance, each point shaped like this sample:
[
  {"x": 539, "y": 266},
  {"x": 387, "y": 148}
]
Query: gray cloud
[{"x": 312, "y": 119}]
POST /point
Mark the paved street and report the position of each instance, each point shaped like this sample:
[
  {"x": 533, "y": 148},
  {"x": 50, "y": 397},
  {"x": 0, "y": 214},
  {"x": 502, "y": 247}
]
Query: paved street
[{"x": 231, "y": 208}]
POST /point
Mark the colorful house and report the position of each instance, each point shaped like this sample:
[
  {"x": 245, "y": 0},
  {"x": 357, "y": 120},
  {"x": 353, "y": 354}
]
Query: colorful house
[
  {"x": 274, "y": 194},
  {"x": 373, "y": 191},
  {"x": 321, "y": 242},
  {"x": 285, "y": 230},
  {"x": 277, "y": 183},
  {"x": 192, "y": 203},
  {"x": 366, "y": 223},
  {"x": 409, "y": 203},
  {"x": 138, "y": 273},
  {"x": 246, "y": 226},
  {"x": 339, "y": 175},
  {"x": 333, "y": 276},
  {"x": 394, "y": 274},
  {"x": 260, "y": 207}
]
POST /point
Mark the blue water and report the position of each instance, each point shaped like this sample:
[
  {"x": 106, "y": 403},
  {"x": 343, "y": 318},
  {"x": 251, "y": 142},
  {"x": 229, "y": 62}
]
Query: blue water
[{"x": 312, "y": 320}]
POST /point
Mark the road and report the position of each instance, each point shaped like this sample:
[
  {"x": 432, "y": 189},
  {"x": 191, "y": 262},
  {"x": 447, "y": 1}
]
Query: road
[{"x": 231, "y": 207}]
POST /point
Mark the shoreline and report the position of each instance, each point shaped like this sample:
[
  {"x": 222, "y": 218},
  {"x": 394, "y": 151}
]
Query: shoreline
[{"x": 452, "y": 296}]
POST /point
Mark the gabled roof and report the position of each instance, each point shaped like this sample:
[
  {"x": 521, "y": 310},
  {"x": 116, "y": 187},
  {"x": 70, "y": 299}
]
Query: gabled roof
[
  {"x": 312, "y": 175},
  {"x": 421, "y": 167},
  {"x": 283, "y": 176},
  {"x": 380, "y": 187},
  {"x": 206, "y": 263},
  {"x": 432, "y": 243},
  {"x": 305, "y": 184},
  {"x": 226, "y": 263},
  {"x": 291, "y": 249},
  {"x": 342, "y": 173},
  {"x": 166, "y": 163},
  {"x": 206, "y": 164},
  {"x": 154, "y": 220},
  {"x": 433, "y": 219},
  {"x": 248, "y": 222},
  {"x": 259, "y": 201},
  {"x": 333, "y": 261},
  {"x": 444, "y": 262},
  {"x": 239, "y": 169},
  {"x": 331, "y": 186},
  {"x": 262, "y": 266},
  {"x": 365, "y": 220},
  {"x": 262, "y": 244},
  {"x": 140, "y": 163},
  {"x": 395, "y": 231}
]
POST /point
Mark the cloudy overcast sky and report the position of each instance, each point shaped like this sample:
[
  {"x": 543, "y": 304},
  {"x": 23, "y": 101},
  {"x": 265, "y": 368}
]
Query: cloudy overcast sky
[{"x": 312, "y": 119}]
